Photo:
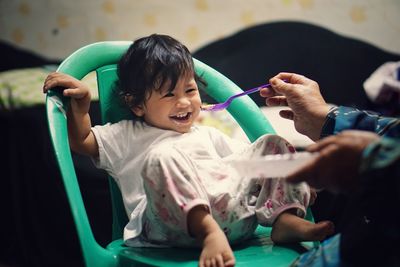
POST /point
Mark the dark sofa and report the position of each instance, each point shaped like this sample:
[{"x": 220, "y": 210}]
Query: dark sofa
[{"x": 338, "y": 63}]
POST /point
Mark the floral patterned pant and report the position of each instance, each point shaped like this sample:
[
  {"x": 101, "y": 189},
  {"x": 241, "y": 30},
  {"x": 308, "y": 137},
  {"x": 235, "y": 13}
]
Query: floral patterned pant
[{"x": 175, "y": 181}]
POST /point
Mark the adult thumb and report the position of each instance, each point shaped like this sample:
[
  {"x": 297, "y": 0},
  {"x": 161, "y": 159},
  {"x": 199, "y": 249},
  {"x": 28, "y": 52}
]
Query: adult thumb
[{"x": 280, "y": 86}]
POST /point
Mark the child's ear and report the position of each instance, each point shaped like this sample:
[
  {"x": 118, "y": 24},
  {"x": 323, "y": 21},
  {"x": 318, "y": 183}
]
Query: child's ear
[{"x": 138, "y": 110}]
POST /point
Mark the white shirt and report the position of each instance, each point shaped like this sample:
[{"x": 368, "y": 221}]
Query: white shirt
[{"x": 124, "y": 145}]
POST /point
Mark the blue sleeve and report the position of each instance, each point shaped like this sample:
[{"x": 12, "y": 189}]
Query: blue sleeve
[
  {"x": 382, "y": 155},
  {"x": 346, "y": 118},
  {"x": 376, "y": 156}
]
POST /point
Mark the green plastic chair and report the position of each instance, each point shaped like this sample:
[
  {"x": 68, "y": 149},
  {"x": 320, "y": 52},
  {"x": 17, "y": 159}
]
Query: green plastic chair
[{"x": 102, "y": 58}]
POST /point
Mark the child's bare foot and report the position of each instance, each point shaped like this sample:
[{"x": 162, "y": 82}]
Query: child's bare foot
[
  {"x": 291, "y": 228},
  {"x": 216, "y": 251}
]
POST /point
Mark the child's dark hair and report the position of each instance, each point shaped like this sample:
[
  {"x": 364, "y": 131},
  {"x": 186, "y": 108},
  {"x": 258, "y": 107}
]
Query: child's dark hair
[{"x": 148, "y": 64}]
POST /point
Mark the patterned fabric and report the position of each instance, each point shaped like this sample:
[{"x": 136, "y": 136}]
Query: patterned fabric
[
  {"x": 176, "y": 180},
  {"x": 346, "y": 118},
  {"x": 123, "y": 147}
]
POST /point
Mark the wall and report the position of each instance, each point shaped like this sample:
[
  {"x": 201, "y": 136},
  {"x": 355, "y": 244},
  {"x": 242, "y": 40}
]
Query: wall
[{"x": 55, "y": 28}]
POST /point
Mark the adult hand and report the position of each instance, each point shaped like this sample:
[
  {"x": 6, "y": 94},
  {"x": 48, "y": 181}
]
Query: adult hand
[
  {"x": 337, "y": 166},
  {"x": 308, "y": 109}
]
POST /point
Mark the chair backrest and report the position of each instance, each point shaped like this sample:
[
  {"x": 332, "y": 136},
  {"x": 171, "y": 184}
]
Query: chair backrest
[
  {"x": 112, "y": 111},
  {"x": 102, "y": 57}
]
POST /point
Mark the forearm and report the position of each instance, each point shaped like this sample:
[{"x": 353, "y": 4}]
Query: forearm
[
  {"x": 79, "y": 126},
  {"x": 80, "y": 137},
  {"x": 79, "y": 129}
]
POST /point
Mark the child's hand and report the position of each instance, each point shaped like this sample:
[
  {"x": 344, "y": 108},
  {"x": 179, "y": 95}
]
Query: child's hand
[{"x": 74, "y": 88}]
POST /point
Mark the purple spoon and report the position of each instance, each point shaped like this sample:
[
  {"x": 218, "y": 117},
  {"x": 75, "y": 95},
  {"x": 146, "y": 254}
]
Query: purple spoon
[{"x": 223, "y": 105}]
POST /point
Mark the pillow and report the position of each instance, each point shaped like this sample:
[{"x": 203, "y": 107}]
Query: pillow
[{"x": 23, "y": 87}]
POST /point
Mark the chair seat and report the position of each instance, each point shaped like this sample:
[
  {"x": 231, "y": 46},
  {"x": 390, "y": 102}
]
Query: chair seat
[{"x": 255, "y": 252}]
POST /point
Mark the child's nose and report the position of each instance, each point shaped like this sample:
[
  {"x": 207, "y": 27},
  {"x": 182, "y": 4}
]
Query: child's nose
[{"x": 182, "y": 102}]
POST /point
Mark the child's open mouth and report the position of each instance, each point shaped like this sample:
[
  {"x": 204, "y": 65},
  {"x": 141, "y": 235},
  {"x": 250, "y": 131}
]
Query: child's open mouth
[{"x": 182, "y": 117}]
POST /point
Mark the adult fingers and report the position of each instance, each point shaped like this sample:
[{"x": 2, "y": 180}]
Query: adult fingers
[
  {"x": 311, "y": 172},
  {"x": 286, "y": 114},
  {"x": 267, "y": 92},
  {"x": 281, "y": 87},
  {"x": 305, "y": 173},
  {"x": 292, "y": 78},
  {"x": 276, "y": 101},
  {"x": 321, "y": 144}
]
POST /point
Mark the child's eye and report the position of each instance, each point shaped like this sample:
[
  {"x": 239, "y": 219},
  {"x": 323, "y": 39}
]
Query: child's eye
[
  {"x": 168, "y": 94},
  {"x": 190, "y": 90}
]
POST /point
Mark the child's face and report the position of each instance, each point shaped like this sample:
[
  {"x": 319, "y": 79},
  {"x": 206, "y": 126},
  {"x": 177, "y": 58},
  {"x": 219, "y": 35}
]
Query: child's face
[{"x": 174, "y": 111}]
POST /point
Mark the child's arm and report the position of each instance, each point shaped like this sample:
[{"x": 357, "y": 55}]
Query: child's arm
[{"x": 80, "y": 135}]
